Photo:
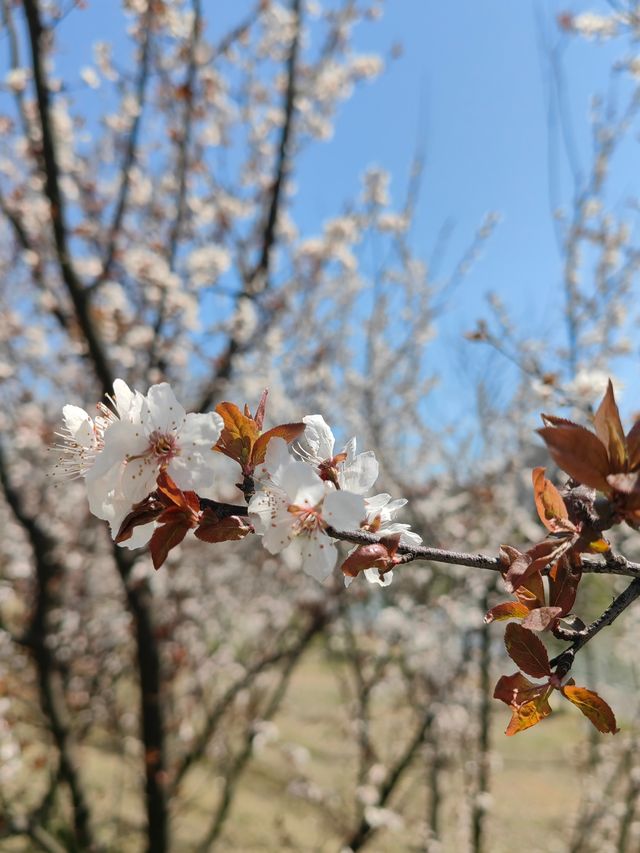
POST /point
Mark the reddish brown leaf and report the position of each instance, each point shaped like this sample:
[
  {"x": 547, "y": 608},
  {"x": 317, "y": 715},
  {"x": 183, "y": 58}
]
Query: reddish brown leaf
[
  {"x": 239, "y": 434},
  {"x": 609, "y": 430},
  {"x": 551, "y": 508},
  {"x": 374, "y": 556},
  {"x": 506, "y": 610},
  {"x": 187, "y": 501},
  {"x": 287, "y": 431},
  {"x": 633, "y": 446},
  {"x": 535, "y": 560},
  {"x": 215, "y": 529},
  {"x": 260, "y": 411},
  {"x": 542, "y": 618},
  {"x": 166, "y": 537},
  {"x": 563, "y": 586},
  {"x": 146, "y": 511},
  {"x": 531, "y": 592},
  {"x": 592, "y": 706},
  {"x": 516, "y": 564},
  {"x": 578, "y": 452},
  {"x": 528, "y": 702},
  {"x": 526, "y": 650},
  {"x": 626, "y": 483}
]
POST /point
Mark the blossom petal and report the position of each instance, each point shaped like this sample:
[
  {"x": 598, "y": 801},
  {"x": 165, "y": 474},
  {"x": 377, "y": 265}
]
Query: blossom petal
[
  {"x": 343, "y": 510},
  {"x": 121, "y": 439},
  {"x": 79, "y": 425},
  {"x": 276, "y": 459},
  {"x": 192, "y": 471},
  {"x": 161, "y": 411},
  {"x": 318, "y": 554},
  {"x": 360, "y": 474},
  {"x": 374, "y": 576},
  {"x": 317, "y": 439},
  {"x": 201, "y": 431},
  {"x": 301, "y": 483}
]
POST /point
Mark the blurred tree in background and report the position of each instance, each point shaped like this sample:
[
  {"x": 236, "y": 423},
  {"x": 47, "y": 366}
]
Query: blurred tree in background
[{"x": 232, "y": 703}]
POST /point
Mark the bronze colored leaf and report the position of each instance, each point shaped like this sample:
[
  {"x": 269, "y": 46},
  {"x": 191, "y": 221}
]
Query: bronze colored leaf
[
  {"x": 215, "y": 529},
  {"x": 374, "y": 556},
  {"x": 529, "y": 702},
  {"x": 506, "y": 610},
  {"x": 185, "y": 500},
  {"x": 592, "y": 706},
  {"x": 531, "y": 592},
  {"x": 287, "y": 431},
  {"x": 633, "y": 446},
  {"x": 609, "y": 430},
  {"x": 563, "y": 586},
  {"x": 580, "y": 453},
  {"x": 166, "y": 537},
  {"x": 549, "y": 503},
  {"x": 147, "y": 510},
  {"x": 239, "y": 434},
  {"x": 542, "y": 618},
  {"x": 526, "y": 651}
]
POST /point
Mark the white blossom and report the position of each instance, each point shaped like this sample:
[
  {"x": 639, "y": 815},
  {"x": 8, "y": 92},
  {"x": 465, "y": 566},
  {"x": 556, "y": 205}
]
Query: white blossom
[{"x": 294, "y": 508}]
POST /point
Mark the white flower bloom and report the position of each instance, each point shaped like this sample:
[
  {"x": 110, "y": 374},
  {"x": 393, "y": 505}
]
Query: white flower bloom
[
  {"x": 348, "y": 470},
  {"x": 161, "y": 436},
  {"x": 381, "y": 510},
  {"x": 295, "y": 508}
]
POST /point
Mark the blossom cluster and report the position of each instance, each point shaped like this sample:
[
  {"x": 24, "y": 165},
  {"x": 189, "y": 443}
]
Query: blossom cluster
[{"x": 145, "y": 461}]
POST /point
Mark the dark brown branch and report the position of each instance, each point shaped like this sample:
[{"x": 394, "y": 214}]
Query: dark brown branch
[
  {"x": 244, "y": 754},
  {"x": 130, "y": 151},
  {"x": 77, "y": 292},
  {"x": 140, "y": 604},
  {"x": 51, "y": 698},
  {"x": 257, "y": 280},
  {"x": 216, "y": 714},
  {"x": 564, "y": 661},
  {"x": 364, "y": 830}
]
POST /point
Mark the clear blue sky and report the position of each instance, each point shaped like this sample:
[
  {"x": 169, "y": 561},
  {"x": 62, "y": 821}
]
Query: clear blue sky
[{"x": 473, "y": 84}]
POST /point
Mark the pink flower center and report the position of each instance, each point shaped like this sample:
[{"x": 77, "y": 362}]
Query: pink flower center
[
  {"x": 306, "y": 519},
  {"x": 163, "y": 446}
]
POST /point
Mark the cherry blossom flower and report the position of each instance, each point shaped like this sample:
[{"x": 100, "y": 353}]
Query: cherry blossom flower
[
  {"x": 380, "y": 512},
  {"x": 295, "y": 507},
  {"x": 160, "y": 436},
  {"x": 346, "y": 470}
]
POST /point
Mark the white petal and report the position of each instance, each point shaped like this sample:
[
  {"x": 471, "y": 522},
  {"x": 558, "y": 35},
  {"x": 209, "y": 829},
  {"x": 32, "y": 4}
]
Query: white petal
[
  {"x": 201, "y": 431},
  {"x": 317, "y": 439},
  {"x": 140, "y": 536},
  {"x": 268, "y": 512},
  {"x": 343, "y": 510},
  {"x": 138, "y": 478},
  {"x": 79, "y": 425},
  {"x": 374, "y": 576},
  {"x": 121, "y": 439},
  {"x": 375, "y": 503},
  {"x": 350, "y": 450},
  {"x": 318, "y": 554},
  {"x": 161, "y": 411},
  {"x": 192, "y": 472},
  {"x": 360, "y": 474},
  {"x": 302, "y": 484},
  {"x": 123, "y": 397},
  {"x": 277, "y": 458}
]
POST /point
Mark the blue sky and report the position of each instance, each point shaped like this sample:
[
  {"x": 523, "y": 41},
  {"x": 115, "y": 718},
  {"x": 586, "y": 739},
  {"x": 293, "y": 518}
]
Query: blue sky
[{"x": 473, "y": 84}]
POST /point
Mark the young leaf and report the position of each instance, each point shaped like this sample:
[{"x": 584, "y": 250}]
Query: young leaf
[
  {"x": 592, "y": 706},
  {"x": 526, "y": 651},
  {"x": 147, "y": 510},
  {"x": 374, "y": 556},
  {"x": 187, "y": 501},
  {"x": 528, "y": 702},
  {"x": 166, "y": 537},
  {"x": 239, "y": 434},
  {"x": 633, "y": 446},
  {"x": 563, "y": 585},
  {"x": 578, "y": 452},
  {"x": 260, "y": 411},
  {"x": 542, "y": 618},
  {"x": 287, "y": 431},
  {"x": 609, "y": 431},
  {"x": 215, "y": 529},
  {"x": 531, "y": 592},
  {"x": 506, "y": 610},
  {"x": 551, "y": 508}
]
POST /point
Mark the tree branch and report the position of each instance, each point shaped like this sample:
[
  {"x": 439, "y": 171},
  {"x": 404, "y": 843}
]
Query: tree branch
[{"x": 77, "y": 292}]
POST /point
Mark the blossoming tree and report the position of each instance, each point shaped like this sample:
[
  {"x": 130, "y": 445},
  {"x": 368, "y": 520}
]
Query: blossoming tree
[{"x": 148, "y": 662}]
